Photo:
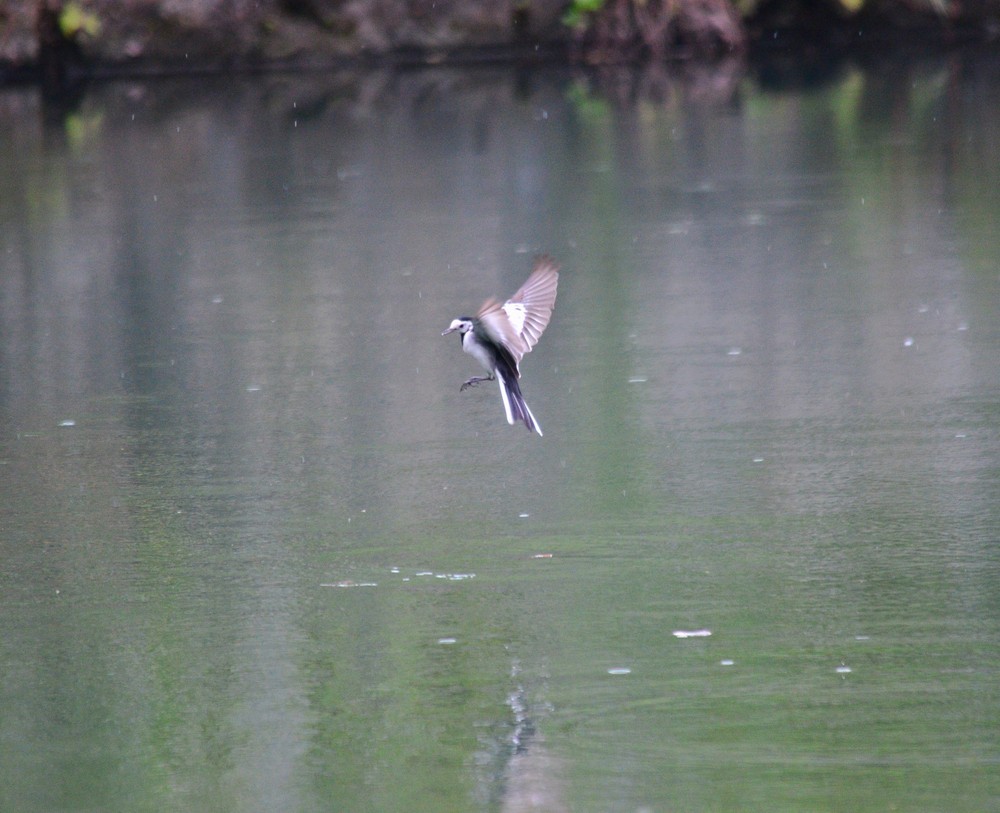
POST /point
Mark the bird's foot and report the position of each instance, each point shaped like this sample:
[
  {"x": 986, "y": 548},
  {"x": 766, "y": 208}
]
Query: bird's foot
[{"x": 473, "y": 381}]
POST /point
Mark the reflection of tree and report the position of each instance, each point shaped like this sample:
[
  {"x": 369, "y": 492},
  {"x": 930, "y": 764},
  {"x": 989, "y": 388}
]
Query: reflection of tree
[{"x": 660, "y": 83}]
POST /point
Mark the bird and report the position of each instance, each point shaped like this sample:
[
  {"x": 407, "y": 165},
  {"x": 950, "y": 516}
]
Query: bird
[{"x": 498, "y": 336}]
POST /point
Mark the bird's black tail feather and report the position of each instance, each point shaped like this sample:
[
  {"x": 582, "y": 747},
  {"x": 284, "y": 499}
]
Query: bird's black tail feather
[{"x": 514, "y": 404}]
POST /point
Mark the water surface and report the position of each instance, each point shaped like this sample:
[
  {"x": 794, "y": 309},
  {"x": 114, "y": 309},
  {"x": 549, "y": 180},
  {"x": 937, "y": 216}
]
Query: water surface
[{"x": 259, "y": 553}]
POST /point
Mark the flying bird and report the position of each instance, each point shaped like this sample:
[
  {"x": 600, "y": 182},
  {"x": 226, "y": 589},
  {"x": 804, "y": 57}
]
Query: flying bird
[{"x": 498, "y": 336}]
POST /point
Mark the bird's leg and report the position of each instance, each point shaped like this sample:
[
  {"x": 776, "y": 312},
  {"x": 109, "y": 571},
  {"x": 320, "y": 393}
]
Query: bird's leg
[{"x": 475, "y": 380}]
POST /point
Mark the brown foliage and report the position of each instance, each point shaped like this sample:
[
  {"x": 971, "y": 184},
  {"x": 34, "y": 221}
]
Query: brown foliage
[{"x": 623, "y": 30}]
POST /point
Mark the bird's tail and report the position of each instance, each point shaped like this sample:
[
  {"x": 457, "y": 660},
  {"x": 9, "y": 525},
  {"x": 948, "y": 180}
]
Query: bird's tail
[{"x": 514, "y": 404}]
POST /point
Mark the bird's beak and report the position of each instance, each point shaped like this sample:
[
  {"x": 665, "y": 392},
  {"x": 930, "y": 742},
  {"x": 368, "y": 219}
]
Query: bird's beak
[{"x": 449, "y": 330}]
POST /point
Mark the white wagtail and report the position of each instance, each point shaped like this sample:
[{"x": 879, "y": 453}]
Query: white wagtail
[{"x": 499, "y": 336}]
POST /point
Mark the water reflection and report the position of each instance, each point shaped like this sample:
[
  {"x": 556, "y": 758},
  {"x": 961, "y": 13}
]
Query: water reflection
[{"x": 238, "y": 472}]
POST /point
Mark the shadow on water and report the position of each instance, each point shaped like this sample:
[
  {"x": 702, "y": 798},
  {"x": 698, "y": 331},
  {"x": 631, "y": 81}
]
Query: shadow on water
[{"x": 288, "y": 565}]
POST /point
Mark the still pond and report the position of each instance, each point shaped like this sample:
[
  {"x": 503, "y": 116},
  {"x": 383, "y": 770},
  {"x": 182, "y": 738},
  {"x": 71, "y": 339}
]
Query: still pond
[{"x": 260, "y": 554}]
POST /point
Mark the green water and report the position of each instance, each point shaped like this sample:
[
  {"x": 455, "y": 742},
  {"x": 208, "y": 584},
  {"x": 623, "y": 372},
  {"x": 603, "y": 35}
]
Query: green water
[{"x": 259, "y": 553}]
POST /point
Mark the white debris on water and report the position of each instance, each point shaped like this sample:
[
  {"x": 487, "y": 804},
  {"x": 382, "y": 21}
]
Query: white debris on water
[
  {"x": 349, "y": 583},
  {"x": 451, "y": 577}
]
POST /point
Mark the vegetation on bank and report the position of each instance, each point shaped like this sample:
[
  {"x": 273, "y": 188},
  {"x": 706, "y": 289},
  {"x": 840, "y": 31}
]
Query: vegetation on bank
[
  {"x": 616, "y": 30},
  {"x": 53, "y": 39}
]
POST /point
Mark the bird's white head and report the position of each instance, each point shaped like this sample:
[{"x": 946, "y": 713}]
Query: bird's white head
[{"x": 463, "y": 325}]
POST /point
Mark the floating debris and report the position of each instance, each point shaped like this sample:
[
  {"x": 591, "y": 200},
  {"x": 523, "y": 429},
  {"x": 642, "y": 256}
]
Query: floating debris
[
  {"x": 349, "y": 583},
  {"x": 692, "y": 633},
  {"x": 253, "y": 388},
  {"x": 447, "y": 640},
  {"x": 454, "y": 577},
  {"x": 908, "y": 341},
  {"x": 734, "y": 351},
  {"x": 638, "y": 379},
  {"x": 542, "y": 556},
  {"x": 67, "y": 423},
  {"x": 620, "y": 670},
  {"x": 726, "y": 662},
  {"x": 524, "y": 515}
]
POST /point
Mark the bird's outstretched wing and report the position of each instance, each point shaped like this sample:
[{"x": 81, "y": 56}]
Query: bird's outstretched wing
[{"x": 518, "y": 323}]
